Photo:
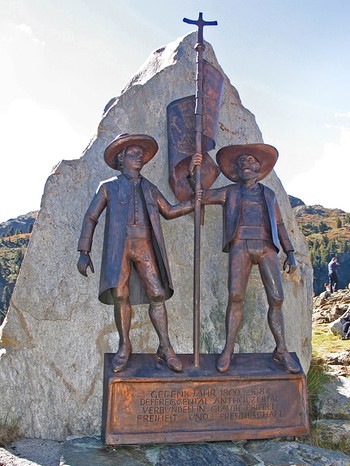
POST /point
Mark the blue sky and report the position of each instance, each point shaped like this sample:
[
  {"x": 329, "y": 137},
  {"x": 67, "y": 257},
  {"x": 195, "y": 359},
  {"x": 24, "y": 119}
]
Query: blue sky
[{"x": 63, "y": 60}]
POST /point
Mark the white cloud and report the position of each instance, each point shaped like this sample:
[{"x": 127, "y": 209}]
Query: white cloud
[
  {"x": 342, "y": 115},
  {"x": 28, "y": 31},
  {"x": 328, "y": 181},
  {"x": 34, "y": 140},
  {"x": 24, "y": 28}
]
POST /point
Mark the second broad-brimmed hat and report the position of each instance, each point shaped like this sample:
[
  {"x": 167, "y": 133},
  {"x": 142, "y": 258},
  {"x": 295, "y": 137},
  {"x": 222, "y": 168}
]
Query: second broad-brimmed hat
[
  {"x": 265, "y": 154},
  {"x": 148, "y": 144}
]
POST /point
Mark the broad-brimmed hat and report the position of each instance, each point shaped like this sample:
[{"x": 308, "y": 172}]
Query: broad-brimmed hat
[
  {"x": 265, "y": 154},
  {"x": 148, "y": 144}
]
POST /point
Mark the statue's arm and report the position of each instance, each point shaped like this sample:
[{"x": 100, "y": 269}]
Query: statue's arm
[
  {"x": 215, "y": 196},
  {"x": 290, "y": 264},
  {"x": 210, "y": 196},
  {"x": 90, "y": 221},
  {"x": 169, "y": 211}
]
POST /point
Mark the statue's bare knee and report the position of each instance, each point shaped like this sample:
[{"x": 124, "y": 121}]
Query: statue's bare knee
[
  {"x": 157, "y": 298},
  {"x": 235, "y": 301},
  {"x": 120, "y": 297},
  {"x": 275, "y": 301}
]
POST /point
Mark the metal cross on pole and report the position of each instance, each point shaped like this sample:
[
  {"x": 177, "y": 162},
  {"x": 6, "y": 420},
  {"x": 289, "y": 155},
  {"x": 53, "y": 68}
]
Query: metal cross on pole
[{"x": 200, "y": 47}]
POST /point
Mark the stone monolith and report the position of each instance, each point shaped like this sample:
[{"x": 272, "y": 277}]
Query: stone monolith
[{"x": 57, "y": 332}]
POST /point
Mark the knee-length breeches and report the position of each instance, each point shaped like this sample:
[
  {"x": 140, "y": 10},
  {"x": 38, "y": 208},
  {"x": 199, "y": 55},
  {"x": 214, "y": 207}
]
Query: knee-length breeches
[
  {"x": 242, "y": 256},
  {"x": 140, "y": 252}
]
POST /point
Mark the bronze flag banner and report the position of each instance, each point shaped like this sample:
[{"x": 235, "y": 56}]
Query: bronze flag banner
[{"x": 181, "y": 134}]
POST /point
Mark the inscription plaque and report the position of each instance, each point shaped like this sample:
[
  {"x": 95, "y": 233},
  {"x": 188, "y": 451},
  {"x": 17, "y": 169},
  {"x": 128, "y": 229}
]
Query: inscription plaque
[{"x": 255, "y": 399}]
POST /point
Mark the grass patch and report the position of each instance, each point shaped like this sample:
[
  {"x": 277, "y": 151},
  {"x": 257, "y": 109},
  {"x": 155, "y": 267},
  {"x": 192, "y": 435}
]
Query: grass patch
[
  {"x": 319, "y": 438},
  {"x": 9, "y": 433},
  {"x": 325, "y": 343},
  {"x": 316, "y": 379}
]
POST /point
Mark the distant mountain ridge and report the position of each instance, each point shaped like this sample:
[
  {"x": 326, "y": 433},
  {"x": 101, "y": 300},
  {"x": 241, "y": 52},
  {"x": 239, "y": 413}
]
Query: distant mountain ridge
[
  {"x": 23, "y": 223},
  {"x": 295, "y": 201},
  {"x": 327, "y": 232},
  {"x": 14, "y": 238}
]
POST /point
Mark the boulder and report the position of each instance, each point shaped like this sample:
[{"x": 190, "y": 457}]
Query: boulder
[
  {"x": 57, "y": 332},
  {"x": 334, "y": 400},
  {"x": 336, "y": 327},
  {"x": 321, "y": 299},
  {"x": 333, "y": 433}
]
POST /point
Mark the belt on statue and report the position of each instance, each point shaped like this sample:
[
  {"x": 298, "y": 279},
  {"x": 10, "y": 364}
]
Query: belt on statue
[
  {"x": 138, "y": 231},
  {"x": 253, "y": 232}
]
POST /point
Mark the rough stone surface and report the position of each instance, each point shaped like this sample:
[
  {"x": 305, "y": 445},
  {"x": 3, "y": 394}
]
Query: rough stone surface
[
  {"x": 334, "y": 400},
  {"x": 57, "y": 332},
  {"x": 332, "y": 426},
  {"x": 27, "y": 452},
  {"x": 89, "y": 451},
  {"x": 334, "y": 432}
]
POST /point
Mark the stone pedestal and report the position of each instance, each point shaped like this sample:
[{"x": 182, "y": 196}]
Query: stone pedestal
[{"x": 254, "y": 399}]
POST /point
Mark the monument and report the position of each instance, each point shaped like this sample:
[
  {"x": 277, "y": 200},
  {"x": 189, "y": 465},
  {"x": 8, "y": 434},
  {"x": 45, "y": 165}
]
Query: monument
[
  {"x": 255, "y": 400},
  {"x": 57, "y": 334}
]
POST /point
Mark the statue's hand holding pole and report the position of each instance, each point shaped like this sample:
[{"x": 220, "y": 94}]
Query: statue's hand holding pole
[
  {"x": 196, "y": 161},
  {"x": 195, "y": 166}
]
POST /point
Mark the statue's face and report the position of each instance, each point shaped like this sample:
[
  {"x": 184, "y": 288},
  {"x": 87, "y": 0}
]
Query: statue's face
[
  {"x": 248, "y": 168},
  {"x": 133, "y": 158}
]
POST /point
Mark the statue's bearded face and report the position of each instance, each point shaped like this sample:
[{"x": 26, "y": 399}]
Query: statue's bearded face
[{"x": 248, "y": 167}]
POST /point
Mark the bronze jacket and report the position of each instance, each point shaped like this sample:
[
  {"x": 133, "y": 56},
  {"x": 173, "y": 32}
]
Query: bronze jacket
[
  {"x": 113, "y": 195},
  {"x": 230, "y": 198}
]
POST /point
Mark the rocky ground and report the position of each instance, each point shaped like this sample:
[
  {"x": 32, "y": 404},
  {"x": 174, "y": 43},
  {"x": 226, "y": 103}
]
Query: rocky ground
[
  {"x": 89, "y": 451},
  {"x": 328, "y": 309},
  {"x": 330, "y": 427}
]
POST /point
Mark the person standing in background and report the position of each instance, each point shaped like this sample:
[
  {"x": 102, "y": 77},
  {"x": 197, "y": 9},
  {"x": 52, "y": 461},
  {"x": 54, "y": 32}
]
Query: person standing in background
[{"x": 332, "y": 274}]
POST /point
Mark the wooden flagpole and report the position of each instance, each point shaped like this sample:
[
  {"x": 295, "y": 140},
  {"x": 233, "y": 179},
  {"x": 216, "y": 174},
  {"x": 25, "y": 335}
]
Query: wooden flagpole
[{"x": 200, "y": 47}]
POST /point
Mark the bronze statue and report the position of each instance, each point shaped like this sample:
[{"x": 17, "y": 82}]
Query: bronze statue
[
  {"x": 135, "y": 268},
  {"x": 253, "y": 230}
]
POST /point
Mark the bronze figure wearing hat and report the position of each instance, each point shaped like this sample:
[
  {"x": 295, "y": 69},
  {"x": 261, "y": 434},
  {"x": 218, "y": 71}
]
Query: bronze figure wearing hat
[
  {"x": 253, "y": 232},
  {"x": 135, "y": 268}
]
